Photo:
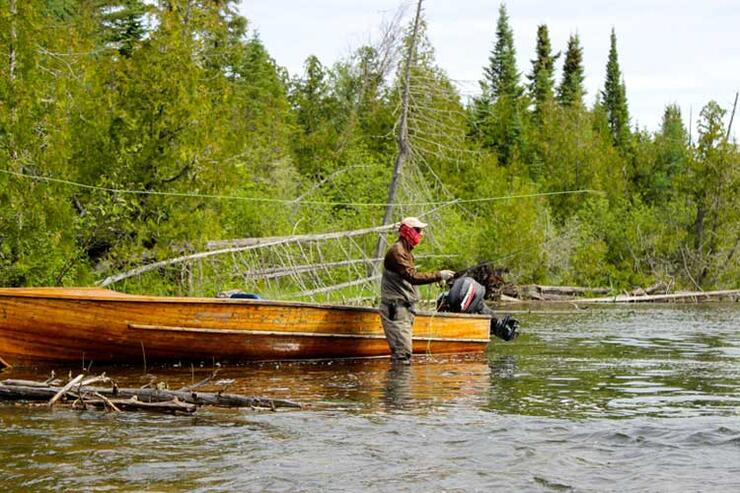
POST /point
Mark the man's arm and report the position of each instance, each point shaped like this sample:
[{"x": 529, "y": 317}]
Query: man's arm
[{"x": 402, "y": 262}]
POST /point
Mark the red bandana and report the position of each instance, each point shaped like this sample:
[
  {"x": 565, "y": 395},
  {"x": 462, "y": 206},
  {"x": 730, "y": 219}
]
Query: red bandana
[{"x": 410, "y": 234}]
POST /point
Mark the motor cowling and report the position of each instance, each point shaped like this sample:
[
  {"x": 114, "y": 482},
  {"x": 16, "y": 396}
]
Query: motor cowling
[{"x": 466, "y": 296}]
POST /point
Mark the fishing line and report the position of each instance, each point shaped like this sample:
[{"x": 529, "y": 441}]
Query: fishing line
[{"x": 294, "y": 201}]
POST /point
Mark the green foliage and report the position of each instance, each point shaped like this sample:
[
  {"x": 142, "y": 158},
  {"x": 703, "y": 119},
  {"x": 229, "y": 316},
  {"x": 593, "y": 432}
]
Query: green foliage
[
  {"x": 501, "y": 74},
  {"x": 662, "y": 159},
  {"x": 168, "y": 103},
  {"x": 499, "y": 114},
  {"x": 542, "y": 76},
  {"x": 571, "y": 91},
  {"x": 711, "y": 188},
  {"x": 123, "y": 24},
  {"x": 615, "y": 98}
]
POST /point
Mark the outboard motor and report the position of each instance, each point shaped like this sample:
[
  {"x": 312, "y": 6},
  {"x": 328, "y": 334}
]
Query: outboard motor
[{"x": 466, "y": 296}]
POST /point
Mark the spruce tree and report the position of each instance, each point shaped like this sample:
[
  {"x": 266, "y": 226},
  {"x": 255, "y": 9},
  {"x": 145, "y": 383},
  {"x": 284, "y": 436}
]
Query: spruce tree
[
  {"x": 500, "y": 124},
  {"x": 264, "y": 130},
  {"x": 615, "y": 98},
  {"x": 541, "y": 78},
  {"x": 667, "y": 158},
  {"x": 501, "y": 73},
  {"x": 123, "y": 23},
  {"x": 571, "y": 91}
]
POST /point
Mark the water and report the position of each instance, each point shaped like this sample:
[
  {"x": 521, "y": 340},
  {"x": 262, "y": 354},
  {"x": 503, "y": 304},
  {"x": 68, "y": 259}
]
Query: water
[{"x": 607, "y": 399}]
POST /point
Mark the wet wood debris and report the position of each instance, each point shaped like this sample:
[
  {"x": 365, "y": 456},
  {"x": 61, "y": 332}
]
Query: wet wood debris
[{"x": 83, "y": 392}]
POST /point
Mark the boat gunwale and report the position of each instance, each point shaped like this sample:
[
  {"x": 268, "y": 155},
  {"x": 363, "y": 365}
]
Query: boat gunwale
[
  {"x": 267, "y": 333},
  {"x": 107, "y": 295}
]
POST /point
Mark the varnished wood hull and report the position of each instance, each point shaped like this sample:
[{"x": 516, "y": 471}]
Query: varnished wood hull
[{"x": 58, "y": 325}]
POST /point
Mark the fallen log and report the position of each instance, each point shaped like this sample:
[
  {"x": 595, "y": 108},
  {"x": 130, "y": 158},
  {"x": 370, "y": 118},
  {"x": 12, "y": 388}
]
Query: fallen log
[
  {"x": 270, "y": 240},
  {"x": 25, "y": 390},
  {"x": 658, "y": 286},
  {"x": 60, "y": 393},
  {"x": 201, "y": 398},
  {"x": 695, "y": 296},
  {"x": 25, "y": 383},
  {"x": 571, "y": 290},
  {"x": 524, "y": 293},
  {"x": 174, "y": 407},
  {"x": 553, "y": 293},
  {"x": 27, "y": 393},
  {"x": 249, "y": 244}
]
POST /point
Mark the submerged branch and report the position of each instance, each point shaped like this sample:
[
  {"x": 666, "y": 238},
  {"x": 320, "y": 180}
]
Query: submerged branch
[{"x": 128, "y": 398}]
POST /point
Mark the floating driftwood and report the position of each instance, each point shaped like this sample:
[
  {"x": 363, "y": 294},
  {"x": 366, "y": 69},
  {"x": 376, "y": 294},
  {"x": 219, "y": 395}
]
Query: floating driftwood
[
  {"x": 498, "y": 290},
  {"x": 693, "y": 296},
  {"x": 685, "y": 297},
  {"x": 80, "y": 393},
  {"x": 547, "y": 293},
  {"x": 657, "y": 288}
]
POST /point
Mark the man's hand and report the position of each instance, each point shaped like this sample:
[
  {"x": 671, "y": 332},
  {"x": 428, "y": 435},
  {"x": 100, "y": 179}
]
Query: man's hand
[{"x": 447, "y": 274}]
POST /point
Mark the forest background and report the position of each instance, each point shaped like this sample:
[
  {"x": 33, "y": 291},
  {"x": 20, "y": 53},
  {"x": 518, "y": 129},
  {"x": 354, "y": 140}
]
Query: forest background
[{"x": 134, "y": 131}]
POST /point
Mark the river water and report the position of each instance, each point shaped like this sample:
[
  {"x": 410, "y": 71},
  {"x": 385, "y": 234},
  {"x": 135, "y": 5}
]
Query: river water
[{"x": 604, "y": 399}]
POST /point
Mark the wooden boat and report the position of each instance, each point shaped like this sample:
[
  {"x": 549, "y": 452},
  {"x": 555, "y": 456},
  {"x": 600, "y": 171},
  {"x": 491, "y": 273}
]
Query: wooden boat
[{"x": 58, "y": 325}]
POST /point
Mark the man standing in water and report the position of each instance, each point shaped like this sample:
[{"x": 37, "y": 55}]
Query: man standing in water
[{"x": 398, "y": 292}]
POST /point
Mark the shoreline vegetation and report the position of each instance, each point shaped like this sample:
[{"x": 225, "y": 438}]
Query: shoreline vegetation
[{"x": 133, "y": 133}]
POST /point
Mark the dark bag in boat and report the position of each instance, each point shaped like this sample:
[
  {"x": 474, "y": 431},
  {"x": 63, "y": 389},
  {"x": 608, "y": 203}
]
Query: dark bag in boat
[
  {"x": 238, "y": 294},
  {"x": 246, "y": 296},
  {"x": 466, "y": 296}
]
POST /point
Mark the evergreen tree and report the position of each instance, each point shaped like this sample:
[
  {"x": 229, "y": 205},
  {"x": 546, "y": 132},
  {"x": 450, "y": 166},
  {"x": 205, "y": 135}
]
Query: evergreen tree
[
  {"x": 500, "y": 125},
  {"x": 171, "y": 97},
  {"x": 37, "y": 89},
  {"x": 672, "y": 151},
  {"x": 660, "y": 159},
  {"x": 571, "y": 91},
  {"x": 542, "y": 76},
  {"x": 123, "y": 23},
  {"x": 712, "y": 188},
  {"x": 502, "y": 77},
  {"x": 615, "y": 98},
  {"x": 262, "y": 125},
  {"x": 479, "y": 111},
  {"x": 316, "y": 112}
]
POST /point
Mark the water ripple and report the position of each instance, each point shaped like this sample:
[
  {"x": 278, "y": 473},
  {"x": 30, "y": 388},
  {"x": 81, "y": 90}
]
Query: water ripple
[{"x": 636, "y": 399}]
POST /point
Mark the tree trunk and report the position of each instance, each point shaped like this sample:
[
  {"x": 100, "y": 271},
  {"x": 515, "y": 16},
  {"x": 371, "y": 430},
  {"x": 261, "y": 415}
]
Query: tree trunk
[{"x": 404, "y": 148}]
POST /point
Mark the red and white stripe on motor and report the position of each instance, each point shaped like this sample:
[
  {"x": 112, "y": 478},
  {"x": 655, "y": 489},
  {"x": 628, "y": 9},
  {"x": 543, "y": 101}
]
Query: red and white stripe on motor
[{"x": 469, "y": 295}]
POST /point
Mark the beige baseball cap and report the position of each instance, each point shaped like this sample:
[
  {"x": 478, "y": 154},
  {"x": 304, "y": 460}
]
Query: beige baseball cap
[{"x": 413, "y": 222}]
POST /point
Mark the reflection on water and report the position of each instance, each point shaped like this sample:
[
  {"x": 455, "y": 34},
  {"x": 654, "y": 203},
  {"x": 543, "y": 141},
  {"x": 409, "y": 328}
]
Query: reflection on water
[
  {"x": 607, "y": 363},
  {"x": 397, "y": 388},
  {"x": 637, "y": 396}
]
